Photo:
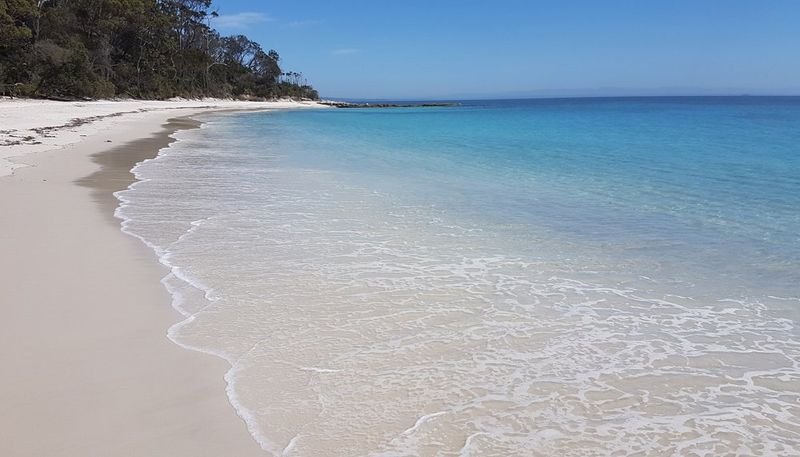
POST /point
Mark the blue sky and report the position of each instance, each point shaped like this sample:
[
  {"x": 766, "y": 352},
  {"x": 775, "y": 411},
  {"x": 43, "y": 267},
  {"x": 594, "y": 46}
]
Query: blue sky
[{"x": 413, "y": 49}]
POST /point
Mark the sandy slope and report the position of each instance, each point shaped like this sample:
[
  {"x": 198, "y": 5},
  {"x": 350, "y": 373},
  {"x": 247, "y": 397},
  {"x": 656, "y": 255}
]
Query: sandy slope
[{"x": 87, "y": 367}]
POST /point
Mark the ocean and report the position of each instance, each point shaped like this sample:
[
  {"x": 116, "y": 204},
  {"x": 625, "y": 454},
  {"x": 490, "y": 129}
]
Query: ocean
[{"x": 602, "y": 276}]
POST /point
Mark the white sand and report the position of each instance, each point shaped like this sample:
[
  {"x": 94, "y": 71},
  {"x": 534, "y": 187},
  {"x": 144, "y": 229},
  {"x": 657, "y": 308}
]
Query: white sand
[
  {"x": 87, "y": 367},
  {"x": 19, "y": 118}
]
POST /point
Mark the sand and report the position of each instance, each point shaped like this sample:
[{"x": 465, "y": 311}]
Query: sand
[
  {"x": 87, "y": 367},
  {"x": 40, "y": 125}
]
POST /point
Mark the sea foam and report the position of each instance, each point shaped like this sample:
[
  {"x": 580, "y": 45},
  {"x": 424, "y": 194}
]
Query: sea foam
[{"x": 359, "y": 320}]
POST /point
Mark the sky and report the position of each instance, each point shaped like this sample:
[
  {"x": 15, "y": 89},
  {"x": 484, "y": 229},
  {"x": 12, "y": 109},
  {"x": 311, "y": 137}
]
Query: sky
[{"x": 448, "y": 49}]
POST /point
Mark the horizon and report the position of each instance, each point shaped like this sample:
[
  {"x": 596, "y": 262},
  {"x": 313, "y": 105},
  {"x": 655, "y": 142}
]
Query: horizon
[
  {"x": 562, "y": 97},
  {"x": 516, "y": 49}
]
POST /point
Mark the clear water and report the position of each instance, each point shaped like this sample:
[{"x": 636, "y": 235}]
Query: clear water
[{"x": 581, "y": 277}]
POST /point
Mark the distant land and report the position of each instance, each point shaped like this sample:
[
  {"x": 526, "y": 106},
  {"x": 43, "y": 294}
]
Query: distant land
[{"x": 577, "y": 93}]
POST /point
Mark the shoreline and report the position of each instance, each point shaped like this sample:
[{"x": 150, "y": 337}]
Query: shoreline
[
  {"x": 86, "y": 316},
  {"x": 116, "y": 163},
  {"x": 62, "y": 124}
]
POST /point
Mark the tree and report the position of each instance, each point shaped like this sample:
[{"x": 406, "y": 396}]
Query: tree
[
  {"x": 15, "y": 40},
  {"x": 135, "y": 48}
]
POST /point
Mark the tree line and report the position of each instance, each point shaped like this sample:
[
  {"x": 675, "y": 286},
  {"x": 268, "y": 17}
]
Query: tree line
[{"x": 150, "y": 49}]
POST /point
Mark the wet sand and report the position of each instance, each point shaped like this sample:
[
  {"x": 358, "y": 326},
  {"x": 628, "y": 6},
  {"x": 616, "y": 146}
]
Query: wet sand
[{"x": 89, "y": 369}]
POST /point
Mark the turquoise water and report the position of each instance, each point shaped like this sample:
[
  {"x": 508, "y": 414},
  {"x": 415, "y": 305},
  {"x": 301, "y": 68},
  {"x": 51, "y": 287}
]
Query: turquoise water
[
  {"x": 711, "y": 185},
  {"x": 538, "y": 277}
]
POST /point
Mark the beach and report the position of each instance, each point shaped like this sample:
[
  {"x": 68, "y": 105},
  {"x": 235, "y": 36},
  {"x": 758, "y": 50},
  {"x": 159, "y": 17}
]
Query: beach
[
  {"x": 353, "y": 229},
  {"x": 88, "y": 368},
  {"x": 510, "y": 277}
]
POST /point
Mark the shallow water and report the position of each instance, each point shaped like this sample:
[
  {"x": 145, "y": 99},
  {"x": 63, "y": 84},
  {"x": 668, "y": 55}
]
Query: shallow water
[{"x": 581, "y": 277}]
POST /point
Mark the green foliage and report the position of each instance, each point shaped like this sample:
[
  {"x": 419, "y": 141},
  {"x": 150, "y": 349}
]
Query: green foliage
[
  {"x": 132, "y": 48},
  {"x": 15, "y": 37}
]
